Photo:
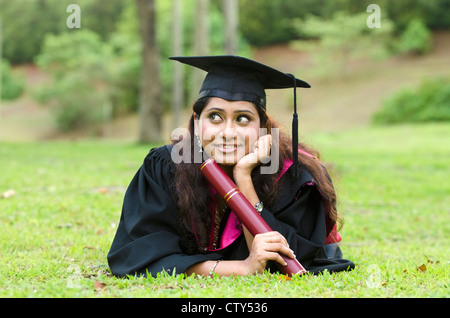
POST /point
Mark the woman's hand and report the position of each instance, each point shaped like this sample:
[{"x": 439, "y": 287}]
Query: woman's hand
[
  {"x": 259, "y": 152},
  {"x": 265, "y": 247}
]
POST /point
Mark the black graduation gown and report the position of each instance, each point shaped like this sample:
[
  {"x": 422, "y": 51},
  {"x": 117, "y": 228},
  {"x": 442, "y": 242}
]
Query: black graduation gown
[{"x": 147, "y": 238}]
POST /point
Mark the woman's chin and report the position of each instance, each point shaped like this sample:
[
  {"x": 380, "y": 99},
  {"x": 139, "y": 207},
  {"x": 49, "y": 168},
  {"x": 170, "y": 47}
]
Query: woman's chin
[{"x": 226, "y": 159}]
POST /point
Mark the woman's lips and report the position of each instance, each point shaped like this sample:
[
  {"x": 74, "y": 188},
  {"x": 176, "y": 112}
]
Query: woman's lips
[{"x": 226, "y": 148}]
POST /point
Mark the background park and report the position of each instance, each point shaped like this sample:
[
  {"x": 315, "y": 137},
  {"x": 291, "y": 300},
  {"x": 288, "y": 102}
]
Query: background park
[{"x": 87, "y": 90}]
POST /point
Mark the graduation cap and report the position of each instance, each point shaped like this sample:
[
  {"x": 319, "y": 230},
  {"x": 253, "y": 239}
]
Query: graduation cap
[{"x": 236, "y": 78}]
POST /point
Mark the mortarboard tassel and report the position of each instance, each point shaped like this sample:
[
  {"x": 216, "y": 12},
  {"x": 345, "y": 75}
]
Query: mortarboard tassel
[{"x": 295, "y": 130}]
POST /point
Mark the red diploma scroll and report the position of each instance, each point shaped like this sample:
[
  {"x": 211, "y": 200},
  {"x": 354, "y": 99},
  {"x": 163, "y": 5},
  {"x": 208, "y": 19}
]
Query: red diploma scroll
[{"x": 243, "y": 209}]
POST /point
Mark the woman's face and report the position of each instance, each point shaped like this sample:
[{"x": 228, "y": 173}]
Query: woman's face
[{"x": 227, "y": 129}]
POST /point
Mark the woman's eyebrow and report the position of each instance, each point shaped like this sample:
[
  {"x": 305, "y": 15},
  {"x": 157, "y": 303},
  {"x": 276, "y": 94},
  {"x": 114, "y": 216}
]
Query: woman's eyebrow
[
  {"x": 216, "y": 109},
  {"x": 244, "y": 111},
  {"x": 235, "y": 112}
]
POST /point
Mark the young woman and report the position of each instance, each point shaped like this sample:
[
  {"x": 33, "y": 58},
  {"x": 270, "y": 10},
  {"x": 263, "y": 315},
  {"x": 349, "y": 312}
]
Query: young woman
[{"x": 174, "y": 221}]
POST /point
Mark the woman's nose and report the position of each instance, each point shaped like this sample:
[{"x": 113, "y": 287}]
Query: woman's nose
[{"x": 229, "y": 131}]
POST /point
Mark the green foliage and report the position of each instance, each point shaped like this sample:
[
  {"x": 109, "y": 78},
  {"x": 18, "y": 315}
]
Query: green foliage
[
  {"x": 429, "y": 103},
  {"x": 434, "y": 13},
  {"x": 75, "y": 103},
  {"x": 125, "y": 69},
  {"x": 26, "y": 23},
  {"x": 274, "y": 18},
  {"x": 416, "y": 38},
  {"x": 73, "y": 50},
  {"x": 265, "y": 22},
  {"x": 80, "y": 64},
  {"x": 12, "y": 85},
  {"x": 164, "y": 35},
  {"x": 343, "y": 37},
  {"x": 109, "y": 69},
  {"x": 262, "y": 22},
  {"x": 274, "y": 21}
]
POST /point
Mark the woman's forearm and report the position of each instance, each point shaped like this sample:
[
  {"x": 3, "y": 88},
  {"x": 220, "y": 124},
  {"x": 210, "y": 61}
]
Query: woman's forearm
[
  {"x": 221, "y": 268},
  {"x": 245, "y": 184}
]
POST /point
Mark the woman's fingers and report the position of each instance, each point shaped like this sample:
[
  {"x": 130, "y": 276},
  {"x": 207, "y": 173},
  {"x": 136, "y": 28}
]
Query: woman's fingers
[
  {"x": 265, "y": 247},
  {"x": 272, "y": 237},
  {"x": 279, "y": 248},
  {"x": 274, "y": 242},
  {"x": 263, "y": 146}
]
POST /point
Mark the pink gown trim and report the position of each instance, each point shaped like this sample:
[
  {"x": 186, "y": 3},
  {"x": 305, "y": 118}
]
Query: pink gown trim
[{"x": 233, "y": 227}]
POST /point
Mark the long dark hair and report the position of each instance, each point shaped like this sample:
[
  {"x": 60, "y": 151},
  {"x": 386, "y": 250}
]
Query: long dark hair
[{"x": 194, "y": 199}]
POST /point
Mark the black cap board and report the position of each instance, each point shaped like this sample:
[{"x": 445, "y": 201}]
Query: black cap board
[{"x": 235, "y": 78}]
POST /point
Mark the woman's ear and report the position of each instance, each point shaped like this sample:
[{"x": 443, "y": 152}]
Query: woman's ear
[{"x": 196, "y": 124}]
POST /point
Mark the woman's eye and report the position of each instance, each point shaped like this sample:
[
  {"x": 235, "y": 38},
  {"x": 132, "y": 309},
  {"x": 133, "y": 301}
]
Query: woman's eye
[
  {"x": 215, "y": 117},
  {"x": 243, "y": 119}
]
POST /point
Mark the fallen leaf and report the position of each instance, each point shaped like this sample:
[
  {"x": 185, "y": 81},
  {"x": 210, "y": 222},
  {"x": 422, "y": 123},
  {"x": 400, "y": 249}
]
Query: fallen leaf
[
  {"x": 422, "y": 268},
  {"x": 8, "y": 194},
  {"x": 103, "y": 190},
  {"x": 99, "y": 286},
  {"x": 284, "y": 277}
]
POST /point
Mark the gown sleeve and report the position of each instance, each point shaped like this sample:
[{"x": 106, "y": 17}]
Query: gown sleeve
[
  {"x": 299, "y": 215},
  {"x": 146, "y": 241}
]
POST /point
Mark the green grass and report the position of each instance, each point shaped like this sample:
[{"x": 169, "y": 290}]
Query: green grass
[{"x": 393, "y": 184}]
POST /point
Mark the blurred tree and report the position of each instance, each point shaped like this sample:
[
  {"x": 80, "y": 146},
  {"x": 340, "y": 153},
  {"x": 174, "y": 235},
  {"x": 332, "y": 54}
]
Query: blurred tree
[
  {"x": 430, "y": 102},
  {"x": 263, "y": 22},
  {"x": 230, "y": 9},
  {"x": 201, "y": 42},
  {"x": 343, "y": 37},
  {"x": 1, "y": 61},
  {"x": 202, "y": 28},
  {"x": 81, "y": 65},
  {"x": 25, "y": 24},
  {"x": 266, "y": 22},
  {"x": 11, "y": 85},
  {"x": 150, "y": 111},
  {"x": 178, "y": 87},
  {"x": 215, "y": 43},
  {"x": 126, "y": 72},
  {"x": 93, "y": 80},
  {"x": 75, "y": 54},
  {"x": 416, "y": 38},
  {"x": 100, "y": 16},
  {"x": 434, "y": 13}
]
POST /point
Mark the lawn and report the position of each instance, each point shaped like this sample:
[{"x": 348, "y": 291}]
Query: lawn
[{"x": 57, "y": 224}]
